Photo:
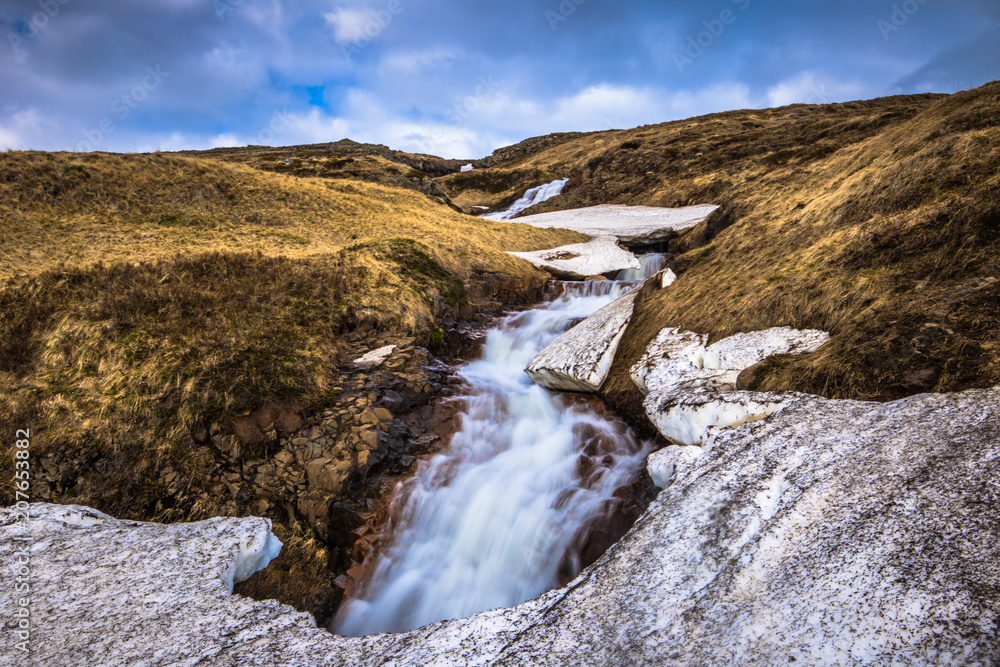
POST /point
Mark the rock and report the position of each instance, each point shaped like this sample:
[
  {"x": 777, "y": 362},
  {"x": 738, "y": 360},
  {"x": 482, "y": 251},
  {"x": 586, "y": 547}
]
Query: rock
[
  {"x": 743, "y": 350},
  {"x": 666, "y": 277},
  {"x": 374, "y": 358},
  {"x": 747, "y": 378},
  {"x": 579, "y": 360},
  {"x": 579, "y": 260},
  {"x": 833, "y": 532},
  {"x": 313, "y": 470},
  {"x": 633, "y": 225}
]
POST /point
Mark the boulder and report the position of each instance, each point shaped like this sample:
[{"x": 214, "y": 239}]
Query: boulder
[
  {"x": 832, "y": 532},
  {"x": 579, "y": 360},
  {"x": 580, "y": 260},
  {"x": 632, "y": 225}
]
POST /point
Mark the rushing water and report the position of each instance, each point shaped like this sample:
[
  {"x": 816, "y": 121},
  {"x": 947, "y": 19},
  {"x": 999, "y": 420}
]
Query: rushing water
[
  {"x": 533, "y": 196},
  {"x": 499, "y": 516}
]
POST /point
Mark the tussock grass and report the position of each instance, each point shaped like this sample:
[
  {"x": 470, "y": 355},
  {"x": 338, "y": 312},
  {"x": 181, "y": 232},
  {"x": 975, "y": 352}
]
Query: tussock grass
[{"x": 65, "y": 208}]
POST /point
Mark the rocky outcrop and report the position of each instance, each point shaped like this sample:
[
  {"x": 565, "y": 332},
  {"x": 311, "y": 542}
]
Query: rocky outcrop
[
  {"x": 579, "y": 360},
  {"x": 580, "y": 260},
  {"x": 833, "y": 532},
  {"x": 632, "y": 225}
]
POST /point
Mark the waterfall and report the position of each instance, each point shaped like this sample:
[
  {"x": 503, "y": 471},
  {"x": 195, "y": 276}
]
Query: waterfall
[
  {"x": 531, "y": 197},
  {"x": 499, "y": 516}
]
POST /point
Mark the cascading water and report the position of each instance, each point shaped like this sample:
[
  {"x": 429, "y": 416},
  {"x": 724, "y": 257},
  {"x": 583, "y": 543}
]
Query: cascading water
[
  {"x": 533, "y": 196},
  {"x": 499, "y": 516},
  {"x": 650, "y": 264}
]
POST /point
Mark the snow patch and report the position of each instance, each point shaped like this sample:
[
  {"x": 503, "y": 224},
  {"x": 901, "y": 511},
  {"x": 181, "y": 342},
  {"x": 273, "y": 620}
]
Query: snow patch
[
  {"x": 686, "y": 420},
  {"x": 257, "y": 548},
  {"x": 743, "y": 350},
  {"x": 637, "y": 225},
  {"x": 665, "y": 464},
  {"x": 466, "y": 167},
  {"x": 580, "y": 359},
  {"x": 374, "y": 358},
  {"x": 581, "y": 260}
]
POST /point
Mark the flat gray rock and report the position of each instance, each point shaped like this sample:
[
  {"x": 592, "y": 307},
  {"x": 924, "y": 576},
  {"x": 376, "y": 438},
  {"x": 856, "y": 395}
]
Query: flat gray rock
[
  {"x": 580, "y": 359},
  {"x": 581, "y": 260},
  {"x": 830, "y": 533},
  {"x": 629, "y": 224}
]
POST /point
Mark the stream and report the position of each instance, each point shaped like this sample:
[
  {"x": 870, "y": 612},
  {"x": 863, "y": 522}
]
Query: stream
[{"x": 502, "y": 513}]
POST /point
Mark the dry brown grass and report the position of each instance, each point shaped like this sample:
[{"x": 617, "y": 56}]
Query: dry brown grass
[
  {"x": 76, "y": 209},
  {"x": 145, "y": 294},
  {"x": 892, "y": 244}
]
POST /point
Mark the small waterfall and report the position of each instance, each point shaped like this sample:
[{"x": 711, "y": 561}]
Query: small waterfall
[
  {"x": 650, "y": 265},
  {"x": 531, "y": 197},
  {"x": 501, "y": 514}
]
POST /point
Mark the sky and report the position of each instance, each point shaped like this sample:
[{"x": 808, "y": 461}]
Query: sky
[{"x": 455, "y": 78}]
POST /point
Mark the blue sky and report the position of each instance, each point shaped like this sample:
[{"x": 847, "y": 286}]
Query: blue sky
[{"x": 454, "y": 78}]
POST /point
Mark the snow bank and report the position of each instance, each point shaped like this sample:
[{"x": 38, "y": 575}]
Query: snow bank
[
  {"x": 634, "y": 225},
  {"x": 581, "y": 260},
  {"x": 580, "y": 359},
  {"x": 833, "y": 532}
]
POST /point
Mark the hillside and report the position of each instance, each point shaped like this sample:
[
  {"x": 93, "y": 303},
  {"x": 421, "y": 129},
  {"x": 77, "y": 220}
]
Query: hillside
[
  {"x": 878, "y": 221},
  {"x": 153, "y": 300},
  {"x": 139, "y": 290}
]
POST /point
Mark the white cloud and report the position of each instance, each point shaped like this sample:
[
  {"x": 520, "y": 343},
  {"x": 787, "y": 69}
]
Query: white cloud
[
  {"x": 21, "y": 130},
  {"x": 353, "y": 25},
  {"x": 808, "y": 88},
  {"x": 413, "y": 62}
]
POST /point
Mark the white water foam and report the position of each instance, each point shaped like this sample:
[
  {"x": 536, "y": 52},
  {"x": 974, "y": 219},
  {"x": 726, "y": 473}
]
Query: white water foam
[
  {"x": 649, "y": 265},
  {"x": 498, "y": 516},
  {"x": 533, "y": 196}
]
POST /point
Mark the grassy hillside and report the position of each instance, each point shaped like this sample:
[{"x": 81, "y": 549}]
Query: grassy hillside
[
  {"x": 878, "y": 221},
  {"x": 145, "y": 293}
]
